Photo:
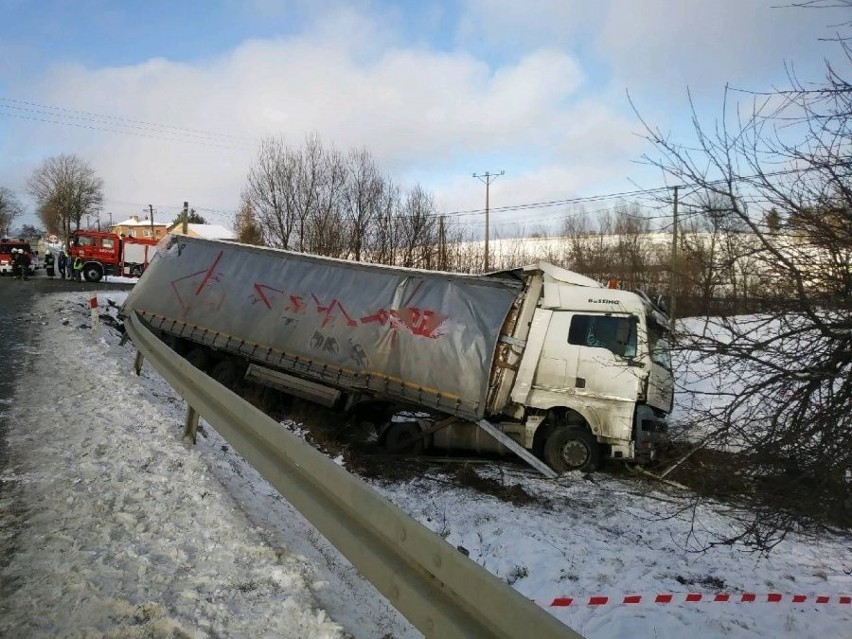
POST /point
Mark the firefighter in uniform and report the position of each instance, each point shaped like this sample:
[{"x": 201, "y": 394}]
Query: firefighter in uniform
[
  {"x": 13, "y": 262},
  {"x": 77, "y": 267},
  {"x": 63, "y": 264},
  {"x": 49, "y": 260},
  {"x": 23, "y": 262}
]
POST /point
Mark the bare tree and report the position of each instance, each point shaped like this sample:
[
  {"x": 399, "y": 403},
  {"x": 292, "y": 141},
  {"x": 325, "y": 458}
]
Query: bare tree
[
  {"x": 66, "y": 188},
  {"x": 325, "y": 231},
  {"x": 588, "y": 249},
  {"x": 246, "y": 226},
  {"x": 363, "y": 199},
  {"x": 632, "y": 251},
  {"x": 270, "y": 192},
  {"x": 418, "y": 229},
  {"x": 51, "y": 216},
  {"x": 314, "y": 199},
  {"x": 784, "y": 401},
  {"x": 10, "y": 208},
  {"x": 383, "y": 244}
]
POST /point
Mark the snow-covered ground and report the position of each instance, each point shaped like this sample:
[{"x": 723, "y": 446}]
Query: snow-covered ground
[{"x": 110, "y": 526}]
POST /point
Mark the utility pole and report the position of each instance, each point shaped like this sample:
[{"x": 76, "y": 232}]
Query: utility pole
[
  {"x": 487, "y": 178},
  {"x": 185, "y": 218},
  {"x": 673, "y": 274},
  {"x": 442, "y": 245},
  {"x": 151, "y": 217}
]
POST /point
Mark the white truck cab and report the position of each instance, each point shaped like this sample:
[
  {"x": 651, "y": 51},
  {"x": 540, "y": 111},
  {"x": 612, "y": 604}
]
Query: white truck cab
[{"x": 594, "y": 374}]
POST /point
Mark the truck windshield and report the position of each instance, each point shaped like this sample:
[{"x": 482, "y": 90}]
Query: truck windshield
[
  {"x": 616, "y": 334},
  {"x": 660, "y": 345}
]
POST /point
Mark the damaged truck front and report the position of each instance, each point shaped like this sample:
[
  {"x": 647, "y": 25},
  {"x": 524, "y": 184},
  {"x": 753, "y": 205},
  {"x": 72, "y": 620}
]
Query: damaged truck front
[{"x": 537, "y": 359}]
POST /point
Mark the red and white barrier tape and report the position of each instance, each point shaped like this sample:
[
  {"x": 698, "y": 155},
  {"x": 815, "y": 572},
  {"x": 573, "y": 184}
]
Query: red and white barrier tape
[{"x": 692, "y": 597}]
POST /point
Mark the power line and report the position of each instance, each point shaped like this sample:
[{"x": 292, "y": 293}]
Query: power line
[
  {"x": 552, "y": 203},
  {"x": 116, "y": 124},
  {"x": 121, "y": 120},
  {"x": 623, "y": 194}
]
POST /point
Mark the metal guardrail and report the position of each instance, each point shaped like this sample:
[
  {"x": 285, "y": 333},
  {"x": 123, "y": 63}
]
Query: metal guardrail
[{"x": 441, "y": 592}]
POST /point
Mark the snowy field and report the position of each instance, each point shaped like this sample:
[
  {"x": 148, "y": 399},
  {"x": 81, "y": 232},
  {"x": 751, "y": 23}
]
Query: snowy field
[{"x": 117, "y": 529}]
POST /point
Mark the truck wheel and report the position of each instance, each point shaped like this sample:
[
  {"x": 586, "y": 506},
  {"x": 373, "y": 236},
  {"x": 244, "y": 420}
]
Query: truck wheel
[
  {"x": 569, "y": 448},
  {"x": 93, "y": 273},
  {"x": 227, "y": 373},
  {"x": 136, "y": 271},
  {"x": 199, "y": 357},
  {"x": 404, "y": 437}
]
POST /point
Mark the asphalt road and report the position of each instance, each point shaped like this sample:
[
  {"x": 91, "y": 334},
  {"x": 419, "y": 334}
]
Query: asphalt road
[{"x": 19, "y": 332}]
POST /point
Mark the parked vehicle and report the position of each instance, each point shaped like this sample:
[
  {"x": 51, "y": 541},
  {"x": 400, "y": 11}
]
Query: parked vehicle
[
  {"x": 6, "y": 258},
  {"x": 106, "y": 253},
  {"x": 569, "y": 370}
]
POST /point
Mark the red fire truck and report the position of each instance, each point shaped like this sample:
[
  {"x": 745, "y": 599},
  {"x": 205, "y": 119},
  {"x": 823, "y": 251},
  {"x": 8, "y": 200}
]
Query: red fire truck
[
  {"x": 109, "y": 254},
  {"x": 7, "y": 257}
]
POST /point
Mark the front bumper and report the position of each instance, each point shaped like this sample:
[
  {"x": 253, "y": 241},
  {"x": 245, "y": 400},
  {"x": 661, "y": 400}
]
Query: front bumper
[{"x": 651, "y": 431}]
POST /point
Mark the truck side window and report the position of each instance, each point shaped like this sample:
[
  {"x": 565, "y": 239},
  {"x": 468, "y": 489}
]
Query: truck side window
[
  {"x": 83, "y": 241},
  {"x": 616, "y": 334},
  {"x": 107, "y": 243}
]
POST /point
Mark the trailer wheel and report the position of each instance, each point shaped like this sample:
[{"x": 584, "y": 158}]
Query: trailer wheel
[
  {"x": 404, "y": 437},
  {"x": 199, "y": 357},
  {"x": 568, "y": 448},
  {"x": 227, "y": 373},
  {"x": 93, "y": 272}
]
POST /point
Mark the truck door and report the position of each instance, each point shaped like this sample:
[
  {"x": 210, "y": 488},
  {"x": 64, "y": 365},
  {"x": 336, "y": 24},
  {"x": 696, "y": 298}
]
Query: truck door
[{"x": 589, "y": 354}]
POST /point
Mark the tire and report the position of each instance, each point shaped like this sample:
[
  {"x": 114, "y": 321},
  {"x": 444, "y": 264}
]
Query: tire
[
  {"x": 227, "y": 372},
  {"x": 404, "y": 437},
  {"x": 93, "y": 272},
  {"x": 568, "y": 449},
  {"x": 199, "y": 357},
  {"x": 136, "y": 271}
]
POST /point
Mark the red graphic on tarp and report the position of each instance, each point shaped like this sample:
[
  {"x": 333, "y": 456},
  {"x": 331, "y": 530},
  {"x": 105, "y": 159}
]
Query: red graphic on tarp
[
  {"x": 422, "y": 322},
  {"x": 417, "y": 321},
  {"x": 328, "y": 312},
  {"x": 214, "y": 296},
  {"x": 296, "y": 305},
  {"x": 265, "y": 295},
  {"x": 261, "y": 295}
]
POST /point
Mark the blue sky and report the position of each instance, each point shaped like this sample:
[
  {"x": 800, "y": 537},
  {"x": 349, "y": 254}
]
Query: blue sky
[{"x": 435, "y": 90}]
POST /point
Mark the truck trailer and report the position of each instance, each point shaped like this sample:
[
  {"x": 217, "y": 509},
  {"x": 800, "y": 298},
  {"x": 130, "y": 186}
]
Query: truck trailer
[{"x": 544, "y": 359}]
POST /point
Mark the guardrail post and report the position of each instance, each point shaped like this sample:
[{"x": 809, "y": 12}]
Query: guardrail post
[
  {"x": 137, "y": 363},
  {"x": 190, "y": 427}
]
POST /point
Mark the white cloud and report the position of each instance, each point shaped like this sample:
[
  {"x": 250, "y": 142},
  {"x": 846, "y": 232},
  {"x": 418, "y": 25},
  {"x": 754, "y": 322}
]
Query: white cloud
[
  {"x": 663, "y": 46},
  {"x": 518, "y": 88},
  {"x": 416, "y": 110}
]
